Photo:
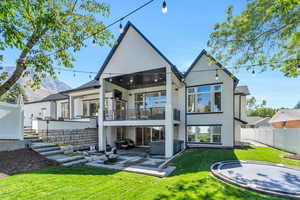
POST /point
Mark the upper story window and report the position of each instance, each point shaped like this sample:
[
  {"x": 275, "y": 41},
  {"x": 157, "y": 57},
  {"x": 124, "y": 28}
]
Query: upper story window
[
  {"x": 150, "y": 100},
  {"x": 203, "y": 99}
]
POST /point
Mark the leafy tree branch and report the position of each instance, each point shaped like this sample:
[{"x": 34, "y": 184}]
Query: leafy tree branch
[
  {"x": 48, "y": 33},
  {"x": 265, "y": 34}
]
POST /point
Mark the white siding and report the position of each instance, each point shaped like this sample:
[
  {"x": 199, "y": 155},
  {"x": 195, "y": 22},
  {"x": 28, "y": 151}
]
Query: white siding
[
  {"x": 240, "y": 108},
  {"x": 226, "y": 119},
  {"x": 134, "y": 54}
]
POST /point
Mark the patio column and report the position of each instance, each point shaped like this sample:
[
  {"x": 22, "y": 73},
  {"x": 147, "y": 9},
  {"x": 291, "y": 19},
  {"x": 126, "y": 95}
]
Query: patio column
[
  {"x": 101, "y": 128},
  {"x": 70, "y": 107},
  {"x": 169, "y": 128}
]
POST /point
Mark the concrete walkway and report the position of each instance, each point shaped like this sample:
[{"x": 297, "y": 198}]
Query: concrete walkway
[{"x": 254, "y": 143}]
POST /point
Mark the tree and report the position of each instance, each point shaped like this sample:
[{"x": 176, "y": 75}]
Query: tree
[
  {"x": 12, "y": 94},
  {"x": 254, "y": 109},
  {"x": 297, "y": 106},
  {"x": 266, "y": 34},
  {"x": 48, "y": 32}
]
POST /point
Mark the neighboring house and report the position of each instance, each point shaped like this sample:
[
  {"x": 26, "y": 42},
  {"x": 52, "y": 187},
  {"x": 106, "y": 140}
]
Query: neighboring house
[
  {"x": 45, "y": 108},
  {"x": 286, "y": 118},
  {"x": 257, "y": 122},
  {"x": 144, "y": 97}
]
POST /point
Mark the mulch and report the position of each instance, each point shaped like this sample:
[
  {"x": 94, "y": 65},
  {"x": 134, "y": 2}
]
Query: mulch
[
  {"x": 292, "y": 156},
  {"x": 23, "y": 160}
]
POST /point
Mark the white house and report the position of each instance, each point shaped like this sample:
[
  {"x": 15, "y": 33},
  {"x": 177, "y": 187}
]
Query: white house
[{"x": 139, "y": 94}]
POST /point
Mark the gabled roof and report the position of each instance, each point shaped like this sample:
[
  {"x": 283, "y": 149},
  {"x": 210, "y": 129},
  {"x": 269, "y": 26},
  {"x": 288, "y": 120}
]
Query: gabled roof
[
  {"x": 115, "y": 47},
  {"x": 252, "y": 120},
  {"x": 242, "y": 90},
  {"x": 203, "y": 52},
  {"x": 89, "y": 85},
  {"x": 286, "y": 115}
]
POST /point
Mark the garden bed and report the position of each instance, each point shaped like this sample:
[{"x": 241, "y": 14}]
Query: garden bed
[
  {"x": 292, "y": 156},
  {"x": 23, "y": 160}
]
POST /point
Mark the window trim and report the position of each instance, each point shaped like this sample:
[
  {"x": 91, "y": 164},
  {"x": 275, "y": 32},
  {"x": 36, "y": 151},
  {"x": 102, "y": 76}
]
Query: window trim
[
  {"x": 204, "y": 143},
  {"x": 195, "y": 86}
]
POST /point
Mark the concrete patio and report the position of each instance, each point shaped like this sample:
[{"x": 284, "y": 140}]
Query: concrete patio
[{"x": 136, "y": 160}]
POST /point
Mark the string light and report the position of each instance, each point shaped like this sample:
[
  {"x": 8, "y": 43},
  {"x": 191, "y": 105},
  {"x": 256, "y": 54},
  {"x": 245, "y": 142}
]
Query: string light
[
  {"x": 217, "y": 75},
  {"x": 164, "y": 8},
  {"x": 131, "y": 80},
  {"x": 253, "y": 72},
  {"x": 121, "y": 26}
]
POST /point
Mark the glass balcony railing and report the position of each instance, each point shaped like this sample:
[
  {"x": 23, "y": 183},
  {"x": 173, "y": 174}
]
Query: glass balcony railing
[{"x": 157, "y": 113}]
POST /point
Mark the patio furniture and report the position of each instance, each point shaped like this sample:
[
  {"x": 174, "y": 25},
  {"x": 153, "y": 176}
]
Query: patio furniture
[
  {"x": 124, "y": 144},
  {"x": 111, "y": 156},
  {"x": 157, "y": 148}
]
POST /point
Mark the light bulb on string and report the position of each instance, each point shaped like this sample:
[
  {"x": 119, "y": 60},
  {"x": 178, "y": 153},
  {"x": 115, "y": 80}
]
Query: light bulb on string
[
  {"x": 253, "y": 72},
  {"x": 90, "y": 76},
  {"x": 121, "y": 26},
  {"x": 164, "y": 8},
  {"x": 217, "y": 75}
]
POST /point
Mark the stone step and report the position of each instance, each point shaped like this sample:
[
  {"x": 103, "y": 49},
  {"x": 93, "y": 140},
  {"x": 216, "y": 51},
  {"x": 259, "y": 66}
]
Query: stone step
[
  {"x": 34, "y": 140},
  {"x": 31, "y": 137},
  {"x": 45, "y": 149},
  {"x": 70, "y": 159},
  {"x": 42, "y": 145},
  {"x": 49, "y": 153},
  {"x": 74, "y": 163}
]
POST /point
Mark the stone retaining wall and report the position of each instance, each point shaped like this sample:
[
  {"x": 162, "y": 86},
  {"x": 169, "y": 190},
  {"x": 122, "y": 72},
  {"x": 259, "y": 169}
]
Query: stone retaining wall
[{"x": 78, "y": 138}]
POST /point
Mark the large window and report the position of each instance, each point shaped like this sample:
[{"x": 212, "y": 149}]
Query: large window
[
  {"x": 150, "y": 100},
  {"x": 203, "y": 99},
  {"x": 204, "y": 134},
  {"x": 90, "y": 108},
  {"x": 65, "y": 110}
]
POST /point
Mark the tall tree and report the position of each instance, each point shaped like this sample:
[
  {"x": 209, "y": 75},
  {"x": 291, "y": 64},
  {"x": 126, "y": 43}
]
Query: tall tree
[
  {"x": 297, "y": 106},
  {"x": 48, "y": 32},
  {"x": 255, "y": 109},
  {"x": 266, "y": 34}
]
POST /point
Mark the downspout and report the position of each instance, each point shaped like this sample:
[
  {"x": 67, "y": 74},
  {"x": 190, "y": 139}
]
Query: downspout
[{"x": 185, "y": 120}]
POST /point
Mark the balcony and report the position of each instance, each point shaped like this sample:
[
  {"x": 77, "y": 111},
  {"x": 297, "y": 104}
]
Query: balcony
[{"x": 157, "y": 113}]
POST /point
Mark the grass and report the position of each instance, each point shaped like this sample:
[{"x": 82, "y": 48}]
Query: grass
[{"x": 191, "y": 180}]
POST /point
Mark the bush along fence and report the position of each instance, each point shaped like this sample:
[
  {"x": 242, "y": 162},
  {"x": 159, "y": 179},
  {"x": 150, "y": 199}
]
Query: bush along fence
[
  {"x": 78, "y": 138},
  {"x": 284, "y": 139}
]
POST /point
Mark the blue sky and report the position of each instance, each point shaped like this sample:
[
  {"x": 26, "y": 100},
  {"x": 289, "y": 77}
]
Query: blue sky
[{"x": 181, "y": 34}]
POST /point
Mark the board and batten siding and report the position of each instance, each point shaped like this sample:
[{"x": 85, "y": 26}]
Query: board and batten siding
[{"x": 197, "y": 77}]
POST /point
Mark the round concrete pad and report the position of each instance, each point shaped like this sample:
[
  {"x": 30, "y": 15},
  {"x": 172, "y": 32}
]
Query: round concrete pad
[{"x": 278, "y": 180}]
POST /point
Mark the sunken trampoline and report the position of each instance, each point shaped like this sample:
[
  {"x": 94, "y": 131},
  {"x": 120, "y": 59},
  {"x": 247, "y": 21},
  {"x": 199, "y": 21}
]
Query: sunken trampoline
[{"x": 273, "y": 179}]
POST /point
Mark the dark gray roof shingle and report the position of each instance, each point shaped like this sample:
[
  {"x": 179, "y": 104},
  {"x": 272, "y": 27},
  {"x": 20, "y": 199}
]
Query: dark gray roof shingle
[
  {"x": 51, "y": 97},
  {"x": 243, "y": 89},
  {"x": 88, "y": 85}
]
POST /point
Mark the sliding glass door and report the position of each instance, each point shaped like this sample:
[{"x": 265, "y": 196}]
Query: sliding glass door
[{"x": 145, "y": 135}]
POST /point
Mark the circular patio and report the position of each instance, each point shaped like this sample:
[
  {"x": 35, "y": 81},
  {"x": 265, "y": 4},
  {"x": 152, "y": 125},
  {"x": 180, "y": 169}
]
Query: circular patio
[{"x": 273, "y": 179}]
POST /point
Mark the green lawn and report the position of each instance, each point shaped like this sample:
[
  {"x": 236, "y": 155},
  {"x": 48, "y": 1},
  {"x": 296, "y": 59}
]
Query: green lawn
[{"x": 191, "y": 180}]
